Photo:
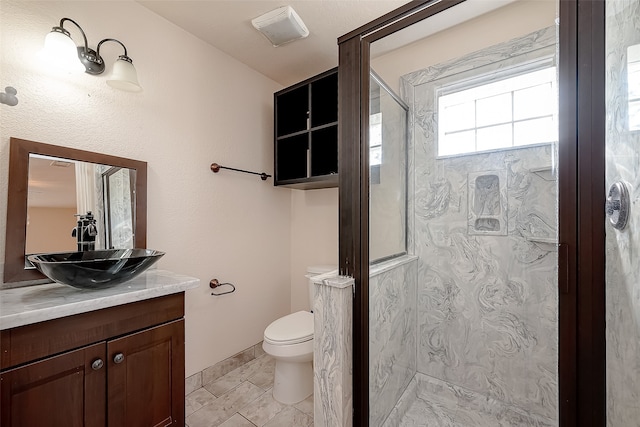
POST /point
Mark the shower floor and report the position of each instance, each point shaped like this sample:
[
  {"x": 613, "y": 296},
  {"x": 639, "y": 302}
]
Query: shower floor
[{"x": 434, "y": 403}]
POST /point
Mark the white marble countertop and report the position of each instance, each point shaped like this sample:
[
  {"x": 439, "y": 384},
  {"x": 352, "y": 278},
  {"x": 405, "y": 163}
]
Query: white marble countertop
[{"x": 32, "y": 304}]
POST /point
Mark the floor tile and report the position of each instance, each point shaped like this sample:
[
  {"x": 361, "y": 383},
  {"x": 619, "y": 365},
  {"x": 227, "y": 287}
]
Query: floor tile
[
  {"x": 261, "y": 367},
  {"x": 237, "y": 421},
  {"x": 220, "y": 369},
  {"x": 225, "y": 406},
  {"x": 264, "y": 377},
  {"x": 305, "y": 406},
  {"x": 197, "y": 400},
  {"x": 290, "y": 417},
  {"x": 193, "y": 383},
  {"x": 263, "y": 409},
  {"x": 224, "y": 384}
]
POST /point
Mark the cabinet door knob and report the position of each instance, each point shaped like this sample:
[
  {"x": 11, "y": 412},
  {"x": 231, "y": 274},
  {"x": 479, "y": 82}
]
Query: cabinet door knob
[
  {"x": 97, "y": 364},
  {"x": 118, "y": 358}
]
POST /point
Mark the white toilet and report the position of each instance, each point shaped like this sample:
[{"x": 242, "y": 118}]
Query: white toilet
[{"x": 289, "y": 340}]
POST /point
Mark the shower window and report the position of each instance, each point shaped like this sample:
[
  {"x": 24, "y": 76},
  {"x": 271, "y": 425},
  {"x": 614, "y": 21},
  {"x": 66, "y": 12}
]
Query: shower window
[{"x": 511, "y": 109}]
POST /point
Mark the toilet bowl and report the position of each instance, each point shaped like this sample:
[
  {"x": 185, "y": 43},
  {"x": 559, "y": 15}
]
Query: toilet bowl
[{"x": 289, "y": 340}]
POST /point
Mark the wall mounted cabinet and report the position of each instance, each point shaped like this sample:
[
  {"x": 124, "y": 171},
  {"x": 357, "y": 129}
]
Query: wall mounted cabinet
[{"x": 306, "y": 133}]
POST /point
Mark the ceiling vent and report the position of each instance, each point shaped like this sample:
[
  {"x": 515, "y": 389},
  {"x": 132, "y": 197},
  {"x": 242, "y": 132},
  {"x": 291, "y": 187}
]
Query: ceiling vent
[{"x": 280, "y": 26}]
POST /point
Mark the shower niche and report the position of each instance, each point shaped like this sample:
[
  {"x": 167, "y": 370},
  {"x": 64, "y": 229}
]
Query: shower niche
[{"x": 487, "y": 203}]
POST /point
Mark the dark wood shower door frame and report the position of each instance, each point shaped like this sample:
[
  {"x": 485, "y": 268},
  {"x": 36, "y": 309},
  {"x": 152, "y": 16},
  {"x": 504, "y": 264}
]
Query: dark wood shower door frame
[{"x": 581, "y": 179}]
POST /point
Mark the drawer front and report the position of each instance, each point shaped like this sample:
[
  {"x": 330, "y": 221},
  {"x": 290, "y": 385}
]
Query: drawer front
[{"x": 31, "y": 342}]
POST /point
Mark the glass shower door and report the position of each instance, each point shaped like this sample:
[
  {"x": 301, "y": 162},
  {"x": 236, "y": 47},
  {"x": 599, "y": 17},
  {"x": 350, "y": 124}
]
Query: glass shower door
[
  {"x": 622, "y": 240},
  {"x": 463, "y": 328}
]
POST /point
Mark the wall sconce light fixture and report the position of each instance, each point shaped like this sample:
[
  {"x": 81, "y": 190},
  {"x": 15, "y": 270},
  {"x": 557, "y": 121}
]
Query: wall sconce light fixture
[{"x": 61, "y": 50}]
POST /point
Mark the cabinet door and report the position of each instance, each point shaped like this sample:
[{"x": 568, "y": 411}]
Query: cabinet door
[
  {"x": 65, "y": 390},
  {"x": 146, "y": 378}
]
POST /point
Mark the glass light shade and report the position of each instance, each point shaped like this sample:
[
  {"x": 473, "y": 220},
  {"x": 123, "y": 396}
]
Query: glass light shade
[
  {"x": 61, "y": 53},
  {"x": 124, "y": 77}
]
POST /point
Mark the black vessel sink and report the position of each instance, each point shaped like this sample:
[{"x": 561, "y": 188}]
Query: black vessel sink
[{"x": 95, "y": 269}]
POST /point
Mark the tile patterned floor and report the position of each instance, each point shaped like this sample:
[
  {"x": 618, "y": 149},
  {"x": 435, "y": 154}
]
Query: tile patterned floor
[{"x": 242, "y": 398}]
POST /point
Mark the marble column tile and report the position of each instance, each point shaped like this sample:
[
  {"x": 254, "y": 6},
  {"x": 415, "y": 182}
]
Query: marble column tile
[{"x": 332, "y": 353}]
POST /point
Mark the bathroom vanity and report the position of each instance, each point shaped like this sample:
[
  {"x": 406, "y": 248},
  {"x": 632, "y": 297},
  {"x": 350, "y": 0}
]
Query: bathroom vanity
[{"x": 110, "y": 357}]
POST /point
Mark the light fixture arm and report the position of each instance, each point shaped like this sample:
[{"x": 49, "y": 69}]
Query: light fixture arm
[
  {"x": 124, "y": 57},
  {"x": 60, "y": 49},
  {"x": 61, "y": 29}
]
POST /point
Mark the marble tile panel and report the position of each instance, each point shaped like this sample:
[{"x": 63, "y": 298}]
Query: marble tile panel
[
  {"x": 622, "y": 273},
  {"x": 222, "y": 368},
  {"x": 487, "y": 305},
  {"x": 192, "y": 383},
  {"x": 409, "y": 396},
  {"x": 290, "y": 417},
  {"x": 197, "y": 399},
  {"x": 263, "y": 409},
  {"x": 392, "y": 337},
  {"x": 225, "y": 406}
]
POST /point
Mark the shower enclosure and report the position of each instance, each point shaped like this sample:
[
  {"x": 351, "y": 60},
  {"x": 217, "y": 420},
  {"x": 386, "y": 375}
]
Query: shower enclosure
[{"x": 476, "y": 232}]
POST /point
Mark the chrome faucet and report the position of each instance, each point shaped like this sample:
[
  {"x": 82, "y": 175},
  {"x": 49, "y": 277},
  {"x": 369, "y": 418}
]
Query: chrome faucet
[{"x": 85, "y": 232}]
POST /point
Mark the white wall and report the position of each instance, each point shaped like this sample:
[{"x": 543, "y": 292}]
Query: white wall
[
  {"x": 198, "y": 106},
  {"x": 488, "y": 29},
  {"x": 314, "y": 238}
]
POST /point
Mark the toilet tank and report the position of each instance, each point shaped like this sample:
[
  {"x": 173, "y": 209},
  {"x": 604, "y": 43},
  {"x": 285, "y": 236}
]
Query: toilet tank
[{"x": 313, "y": 272}]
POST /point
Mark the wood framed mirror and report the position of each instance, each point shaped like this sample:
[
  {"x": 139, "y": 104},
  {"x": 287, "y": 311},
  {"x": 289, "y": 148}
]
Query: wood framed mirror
[{"x": 23, "y": 153}]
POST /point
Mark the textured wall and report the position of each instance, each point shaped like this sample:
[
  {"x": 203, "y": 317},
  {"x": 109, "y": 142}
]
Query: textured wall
[
  {"x": 622, "y": 273},
  {"x": 487, "y": 304},
  {"x": 198, "y": 106},
  {"x": 392, "y": 334}
]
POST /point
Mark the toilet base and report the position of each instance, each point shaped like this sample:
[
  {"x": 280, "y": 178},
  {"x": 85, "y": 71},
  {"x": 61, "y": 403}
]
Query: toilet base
[{"x": 293, "y": 381}]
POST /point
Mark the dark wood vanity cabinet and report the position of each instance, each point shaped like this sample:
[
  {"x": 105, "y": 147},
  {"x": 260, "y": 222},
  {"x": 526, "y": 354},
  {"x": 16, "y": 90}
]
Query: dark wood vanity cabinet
[
  {"x": 116, "y": 367},
  {"x": 306, "y": 133}
]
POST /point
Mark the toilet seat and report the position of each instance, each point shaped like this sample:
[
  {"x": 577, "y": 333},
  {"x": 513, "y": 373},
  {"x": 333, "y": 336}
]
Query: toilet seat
[{"x": 294, "y": 328}]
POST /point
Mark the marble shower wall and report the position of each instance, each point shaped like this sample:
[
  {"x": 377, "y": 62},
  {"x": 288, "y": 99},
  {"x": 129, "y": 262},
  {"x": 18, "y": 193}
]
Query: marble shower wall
[
  {"x": 487, "y": 305},
  {"x": 622, "y": 273},
  {"x": 392, "y": 334}
]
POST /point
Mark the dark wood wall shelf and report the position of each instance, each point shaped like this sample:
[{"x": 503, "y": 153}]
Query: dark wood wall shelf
[{"x": 306, "y": 133}]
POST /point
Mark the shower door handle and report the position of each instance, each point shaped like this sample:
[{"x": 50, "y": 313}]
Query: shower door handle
[{"x": 618, "y": 205}]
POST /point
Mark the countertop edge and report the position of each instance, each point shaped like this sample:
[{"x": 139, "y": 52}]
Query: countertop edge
[{"x": 120, "y": 295}]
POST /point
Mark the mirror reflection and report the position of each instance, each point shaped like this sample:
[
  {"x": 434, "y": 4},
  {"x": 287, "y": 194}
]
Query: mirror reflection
[{"x": 65, "y": 196}]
